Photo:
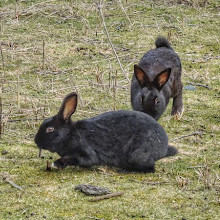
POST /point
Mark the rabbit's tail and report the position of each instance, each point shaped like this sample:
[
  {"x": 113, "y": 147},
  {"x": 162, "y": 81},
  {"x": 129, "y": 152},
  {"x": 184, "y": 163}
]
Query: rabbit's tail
[
  {"x": 171, "y": 151},
  {"x": 162, "y": 42}
]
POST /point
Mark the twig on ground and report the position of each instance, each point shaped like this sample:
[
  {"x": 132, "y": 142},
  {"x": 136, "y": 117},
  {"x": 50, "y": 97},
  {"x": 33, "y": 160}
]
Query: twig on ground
[
  {"x": 1, "y": 124},
  {"x": 1, "y": 91},
  {"x": 200, "y": 85},
  {"x": 122, "y": 8},
  {"x": 114, "y": 81},
  {"x": 13, "y": 184},
  {"x": 91, "y": 217},
  {"x": 149, "y": 183},
  {"x": 18, "y": 93},
  {"x": 206, "y": 177},
  {"x": 25, "y": 119},
  {"x": 3, "y": 63},
  {"x": 98, "y": 198},
  {"x": 43, "y": 60},
  {"x": 109, "y": 39},
  {"x": 199, "y": 166},
  {"x": 16, "y": 9},
  {"x": 200, "y": 133}
]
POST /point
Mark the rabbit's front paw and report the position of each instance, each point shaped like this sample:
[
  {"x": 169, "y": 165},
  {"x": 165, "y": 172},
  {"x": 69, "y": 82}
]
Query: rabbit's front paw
[{"x": 177, "y": 113}]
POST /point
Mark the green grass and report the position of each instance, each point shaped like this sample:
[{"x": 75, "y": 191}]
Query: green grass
[{"x": 78, "y": 57}]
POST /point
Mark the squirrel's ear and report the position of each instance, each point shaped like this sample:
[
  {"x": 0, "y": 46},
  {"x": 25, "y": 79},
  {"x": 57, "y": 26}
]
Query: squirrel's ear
[
  {"x": 141, "y": 77},
  {"x": 68, "y": 106}
]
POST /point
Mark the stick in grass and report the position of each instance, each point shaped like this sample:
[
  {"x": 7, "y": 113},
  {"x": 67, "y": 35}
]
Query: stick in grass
[
  {"x": 1, "y": 124},
  {"x": 3, "y": 63},
  {"x": 200, "y": 85},
  {"x": 18, "y": 93},
  {"x": 1, "y": 91},
  {"x": 43, "y": 54},
  {"x": 109, "y": 39},
  {"x": 13, "y": 184},
  {"x": 122, "y": 8},
  {"x": 114, "y": 88},
  {"x": 16, "y": 10},
  {"x": 98, "y": 198},
  {"x": 187, "y": 135},
  {"x": 149, "y": 183}
]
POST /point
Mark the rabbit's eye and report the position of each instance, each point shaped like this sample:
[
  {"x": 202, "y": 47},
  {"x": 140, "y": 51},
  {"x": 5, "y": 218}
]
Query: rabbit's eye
[
  {"x": 49, "y": 129},
  {"x": 157, "y": 101}
]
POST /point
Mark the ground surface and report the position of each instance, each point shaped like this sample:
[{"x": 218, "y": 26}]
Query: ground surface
[{"x": 50, "y": 48}]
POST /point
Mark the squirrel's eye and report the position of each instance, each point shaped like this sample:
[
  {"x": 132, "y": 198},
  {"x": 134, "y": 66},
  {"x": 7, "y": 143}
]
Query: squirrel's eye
[
  {"x": 157, "y": 101},
  {"x": 49, "y": 129}
]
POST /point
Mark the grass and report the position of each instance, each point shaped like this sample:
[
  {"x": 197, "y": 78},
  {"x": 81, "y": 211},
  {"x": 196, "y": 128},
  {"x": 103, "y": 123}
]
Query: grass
[{"x": 78, "y": 57}]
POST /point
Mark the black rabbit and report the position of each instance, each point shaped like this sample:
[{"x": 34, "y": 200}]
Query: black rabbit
[
  {"x": 156, "y": 79},
  {"x": 130, "y": 140}
]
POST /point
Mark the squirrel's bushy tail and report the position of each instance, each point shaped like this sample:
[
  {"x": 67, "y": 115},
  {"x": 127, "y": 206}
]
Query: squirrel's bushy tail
[{"x": 162, "y": 42}]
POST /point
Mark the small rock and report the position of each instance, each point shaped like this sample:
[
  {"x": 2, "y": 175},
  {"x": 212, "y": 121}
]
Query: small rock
[
  {"x": 4, "y": 152},
  {"x": 189, "y": 87},
  {"x": 92, "y": 190}
]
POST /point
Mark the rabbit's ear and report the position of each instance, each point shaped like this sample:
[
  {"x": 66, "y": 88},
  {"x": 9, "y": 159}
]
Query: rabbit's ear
[
  {"x": 68, "y": 106},
  {"x": 161, "y": 78},
  {"x": 141, "y": 77}
]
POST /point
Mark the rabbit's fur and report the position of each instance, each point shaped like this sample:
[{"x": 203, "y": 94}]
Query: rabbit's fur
[
  {"x": 130, "y": 140},
  {"x": 156, "y": 79}
]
